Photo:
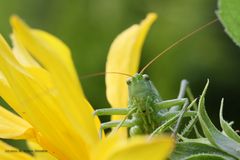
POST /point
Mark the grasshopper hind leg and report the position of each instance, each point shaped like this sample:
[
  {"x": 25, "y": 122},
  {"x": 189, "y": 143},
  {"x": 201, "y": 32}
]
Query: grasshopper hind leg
[{"x": 181, "y": 94}]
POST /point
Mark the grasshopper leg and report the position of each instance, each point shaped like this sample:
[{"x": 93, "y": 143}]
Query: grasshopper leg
[
  {"x": 170, "y": 103},
  {"x": 126, "y": 123},
  {"x": 169, "y": 115},
  {"x": 177, "y": 118},
  {"x": 111, "y": 111},
  {"x": 180, "y": 118},
  {"x": 183, "y": 88},
  {"x": 181, "y": 94}
]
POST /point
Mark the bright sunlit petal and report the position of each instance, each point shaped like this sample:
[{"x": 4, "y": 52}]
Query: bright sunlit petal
[
  {"x": 55, "y": 57},
  {"x": 141, "y": 148},
  {"x": 22, "y": 55},
  {"x": 38, "y": 152},
  {"x": 40, "y": 107},
  {"x": 6, "y": 154},
  {"x": 14, "y": 127},
  {"x": 115, "y": 148}
]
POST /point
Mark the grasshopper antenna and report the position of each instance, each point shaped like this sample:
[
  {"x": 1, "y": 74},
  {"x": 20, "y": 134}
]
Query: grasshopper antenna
[
  {"x": 103, "y": 73},
  {"x": 177, "y": 42}
]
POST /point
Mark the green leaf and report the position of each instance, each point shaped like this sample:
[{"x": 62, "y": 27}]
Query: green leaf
[
  {"x": 229, "y": 15},
  {"x": 205, "y": 157},
  {"x": 196, "y": 140},
  {"x": 215, "y": 137},
  {"x": 185, "y": 150},
  {"x": 226, "y": 127},
  {"x": 187, "y": 129}
]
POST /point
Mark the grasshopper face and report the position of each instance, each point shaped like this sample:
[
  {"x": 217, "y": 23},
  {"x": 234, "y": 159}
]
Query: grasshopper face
[{"x": 140, "y": 86}]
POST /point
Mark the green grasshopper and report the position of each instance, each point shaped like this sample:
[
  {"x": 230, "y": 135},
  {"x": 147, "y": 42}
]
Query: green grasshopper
[{"x": 147, "y": 113}]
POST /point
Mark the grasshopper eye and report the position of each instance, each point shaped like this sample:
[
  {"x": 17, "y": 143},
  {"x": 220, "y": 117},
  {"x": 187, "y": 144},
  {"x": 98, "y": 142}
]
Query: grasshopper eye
[
  {"x": 146, "y": 77},
  {"x": 129, "y": 81}
]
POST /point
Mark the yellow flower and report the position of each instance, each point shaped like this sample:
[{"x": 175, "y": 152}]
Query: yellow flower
[{"x": 38, "y": 80}]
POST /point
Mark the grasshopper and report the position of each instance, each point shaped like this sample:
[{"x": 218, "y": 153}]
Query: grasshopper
[{"x": 147, "y": 113}]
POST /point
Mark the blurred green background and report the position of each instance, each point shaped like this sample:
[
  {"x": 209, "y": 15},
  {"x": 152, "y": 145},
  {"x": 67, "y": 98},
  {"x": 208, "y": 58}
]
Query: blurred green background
[{"x": 89, "y": 26}]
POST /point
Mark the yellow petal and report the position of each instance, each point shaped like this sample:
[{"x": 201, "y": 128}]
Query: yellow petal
[
  {"x": 6, "y": 92},
  {"x": 124, "y": 56},
  {"x": 8, "y": 152},
  {"x": 55, "y": 57},
  {"x": 38, "y": 152},
  {"x": 29, "y": 63},
  {"x": 102, "y": 150},
  {"x": 22, "y": 55},
  {"x": 140, "y": 148},
  {"x": 14, "y": 127},
  {"x": 41, "y": 108}
]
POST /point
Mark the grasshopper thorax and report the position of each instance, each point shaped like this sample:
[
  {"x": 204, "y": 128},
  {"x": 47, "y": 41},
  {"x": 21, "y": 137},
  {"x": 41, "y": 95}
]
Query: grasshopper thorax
[
  {"x": 142, "y": 96},
  {"x": 140, "y": 86}
]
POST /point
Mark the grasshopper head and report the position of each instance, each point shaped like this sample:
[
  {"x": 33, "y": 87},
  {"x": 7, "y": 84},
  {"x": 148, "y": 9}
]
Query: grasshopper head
[{"x": 140, "y": 86}]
